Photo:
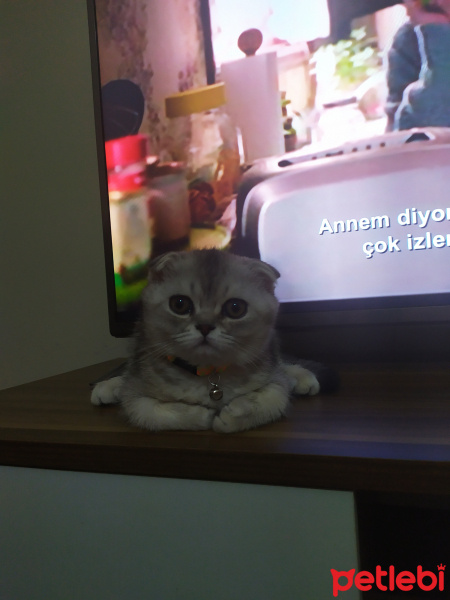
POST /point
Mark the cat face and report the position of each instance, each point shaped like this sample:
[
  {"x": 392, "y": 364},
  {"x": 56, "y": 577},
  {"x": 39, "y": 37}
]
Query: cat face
[{"x": 209, "y": 307}]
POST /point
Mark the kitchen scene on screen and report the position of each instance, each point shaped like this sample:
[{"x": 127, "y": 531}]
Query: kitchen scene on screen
[{"x": 195, "y": 93}]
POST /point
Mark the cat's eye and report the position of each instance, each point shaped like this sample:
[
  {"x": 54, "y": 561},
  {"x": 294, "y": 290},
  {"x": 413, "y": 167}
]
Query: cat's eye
[
  {"x": 181, "y": 305},
  {"x": 235, "y": 308}
]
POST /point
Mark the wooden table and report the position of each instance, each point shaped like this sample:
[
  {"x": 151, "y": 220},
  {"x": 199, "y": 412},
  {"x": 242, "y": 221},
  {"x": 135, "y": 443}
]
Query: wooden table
[{"x": 386, "y": 430}]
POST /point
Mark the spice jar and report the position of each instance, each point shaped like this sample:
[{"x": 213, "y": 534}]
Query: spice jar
[
  {"x": 130, "y": 215},
  {"x": 212, "y": 155}
]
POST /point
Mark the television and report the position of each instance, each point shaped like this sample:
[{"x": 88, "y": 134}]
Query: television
[{"x": 349, "y": 206}]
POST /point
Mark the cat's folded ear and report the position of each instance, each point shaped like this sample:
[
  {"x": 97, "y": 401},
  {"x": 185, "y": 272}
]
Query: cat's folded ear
[
  {"x": 162, "y": 265},
  {"x": 266, "y": 274}
]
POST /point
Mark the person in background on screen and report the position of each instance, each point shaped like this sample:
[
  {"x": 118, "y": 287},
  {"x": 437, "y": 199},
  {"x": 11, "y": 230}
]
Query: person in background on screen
[{"x": 404, "y": 60}]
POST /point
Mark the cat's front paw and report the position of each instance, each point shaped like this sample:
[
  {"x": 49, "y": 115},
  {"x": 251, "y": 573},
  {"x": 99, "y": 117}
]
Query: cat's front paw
[
  {"x": 226, "y": 423},
  {"x": 234, "y": 417},
  {"x": 107, "y": 392},
  {"x": 155, "y": 415},
  {"x": 304, "y": 382},
  {"x": 257, "y": 408}
]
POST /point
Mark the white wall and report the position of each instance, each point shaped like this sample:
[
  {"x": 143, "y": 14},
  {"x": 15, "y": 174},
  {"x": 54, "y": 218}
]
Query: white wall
[
  {"x": 79, "y": 536},
  {"x": 53, "y": 312}
]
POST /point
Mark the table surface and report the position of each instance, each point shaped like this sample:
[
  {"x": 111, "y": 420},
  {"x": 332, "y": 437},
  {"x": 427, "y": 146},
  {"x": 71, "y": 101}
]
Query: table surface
[{"x": 386, "y": 430}]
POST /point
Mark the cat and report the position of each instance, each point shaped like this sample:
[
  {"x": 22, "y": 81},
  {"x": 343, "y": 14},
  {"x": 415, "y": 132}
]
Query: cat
[{"x": 206, "y": 354}]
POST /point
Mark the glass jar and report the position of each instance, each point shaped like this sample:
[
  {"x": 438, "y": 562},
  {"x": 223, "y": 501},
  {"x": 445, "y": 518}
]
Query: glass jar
[
  {"x": 211, "y": 150},
  {"x": 130, "y": 214}
]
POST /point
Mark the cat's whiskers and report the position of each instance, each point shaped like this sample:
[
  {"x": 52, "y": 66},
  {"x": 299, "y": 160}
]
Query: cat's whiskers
[
  {"x": 218, "y": 341},
  {"x": 186, "y": 339},
  {"x": 154, "y": 350},
  {"x": 248, "y": 354}
]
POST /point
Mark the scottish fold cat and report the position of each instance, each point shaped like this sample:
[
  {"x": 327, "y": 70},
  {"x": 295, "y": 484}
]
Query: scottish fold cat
[{"x": 205, "y": 352}]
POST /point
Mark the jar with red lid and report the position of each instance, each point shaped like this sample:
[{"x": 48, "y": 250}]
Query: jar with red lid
[{"x": 130, "y": 214}]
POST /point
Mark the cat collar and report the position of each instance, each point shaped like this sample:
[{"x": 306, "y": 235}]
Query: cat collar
[
  {"x": 195, "y": 370},
  {"x": 213, "y": 374}
]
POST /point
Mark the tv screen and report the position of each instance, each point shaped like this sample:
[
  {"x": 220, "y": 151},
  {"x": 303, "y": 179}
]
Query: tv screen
[{"x": 309, "y": 137}]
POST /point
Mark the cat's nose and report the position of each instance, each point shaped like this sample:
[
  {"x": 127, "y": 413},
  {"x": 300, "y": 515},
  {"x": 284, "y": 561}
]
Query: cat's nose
[{"x": 205, "y": 328}]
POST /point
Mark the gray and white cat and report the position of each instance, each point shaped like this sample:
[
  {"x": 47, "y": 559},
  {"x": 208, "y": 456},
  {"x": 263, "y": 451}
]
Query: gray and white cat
[{"x": 205, "y": 350}]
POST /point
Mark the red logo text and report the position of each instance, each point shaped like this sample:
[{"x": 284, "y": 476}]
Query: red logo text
[{"x": 388, "y": 580}]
